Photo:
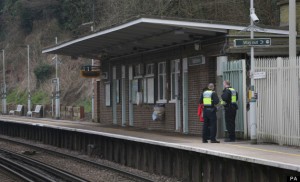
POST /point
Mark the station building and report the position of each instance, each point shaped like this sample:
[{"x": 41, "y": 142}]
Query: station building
[{"x": 154, "y": 64}]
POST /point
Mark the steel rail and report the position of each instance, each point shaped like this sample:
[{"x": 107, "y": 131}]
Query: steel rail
[
  {"x": 28, "y": 173},
  {"x": 35, "y": 170},
  {"x": 117, "y": 170},
  {"x": 15, "y": 173}
]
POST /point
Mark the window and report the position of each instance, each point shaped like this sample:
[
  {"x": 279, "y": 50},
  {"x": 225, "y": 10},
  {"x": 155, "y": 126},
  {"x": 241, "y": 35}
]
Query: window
[
  {"x": 149, "y": 90},
  {"x": 137, "y": 86},
  {"x": 175, "y": 71},
  {"x": 138, "y": 70},
  {"x": 107, "y": 94},
  {"x": 137, "y": 82},
  {"x": 149, "y": 84},
  {"x": 150, "y": 69},
  {"x": 134, "y": 90},
  {"x": 161, "y": 81}
]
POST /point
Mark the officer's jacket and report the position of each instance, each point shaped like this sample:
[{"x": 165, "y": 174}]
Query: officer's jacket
[
  {"x": 209, "y": 98},
  {"x": 227, "y": 96}
]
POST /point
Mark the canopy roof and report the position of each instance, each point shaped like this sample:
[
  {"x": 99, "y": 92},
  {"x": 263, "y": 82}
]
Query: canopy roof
[{"x": 144, "y": 34}]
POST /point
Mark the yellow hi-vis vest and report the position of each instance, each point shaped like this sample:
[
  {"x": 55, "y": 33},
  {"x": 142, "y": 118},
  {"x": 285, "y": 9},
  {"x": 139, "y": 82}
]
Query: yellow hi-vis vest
[
  {"x": 207, "y": 101},
  {"x": 233, "y": 95}
]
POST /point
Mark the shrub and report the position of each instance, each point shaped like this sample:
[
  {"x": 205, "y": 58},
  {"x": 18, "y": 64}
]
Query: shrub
[
  {"x": 26, "y": 20},
  {"x": 43, "y": 72},
  {"x": 40, "y": 97},
  {"x": 86, "y": 103}
]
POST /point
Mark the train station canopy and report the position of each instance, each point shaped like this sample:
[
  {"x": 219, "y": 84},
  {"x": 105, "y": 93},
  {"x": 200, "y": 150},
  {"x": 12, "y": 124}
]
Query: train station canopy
[{"x": 145, "y": 34}]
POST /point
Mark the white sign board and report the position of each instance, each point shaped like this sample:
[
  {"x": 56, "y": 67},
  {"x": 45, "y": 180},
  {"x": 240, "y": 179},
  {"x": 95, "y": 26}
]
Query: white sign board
[
  {"x": 55, "y": 81},
  {"x": 259, "y": 75},
  {"x": 196, "y": 60}
]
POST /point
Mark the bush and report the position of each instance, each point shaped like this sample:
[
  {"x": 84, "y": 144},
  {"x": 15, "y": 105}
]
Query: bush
[
  {"x": 26, "y": 20},
  {"x": 43, "y": 72},
  {"x": 40, "y": 97},
  {"x": 72, "y": 13},
  {"x": 86, "y": 103}
]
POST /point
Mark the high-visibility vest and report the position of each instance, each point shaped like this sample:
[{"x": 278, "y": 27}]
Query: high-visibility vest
[
  {"x": 233, "y": 95},
  {"x": 207, "y": 101}
]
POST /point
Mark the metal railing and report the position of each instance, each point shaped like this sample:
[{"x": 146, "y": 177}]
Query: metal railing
[{"x": 278, "y": 101}]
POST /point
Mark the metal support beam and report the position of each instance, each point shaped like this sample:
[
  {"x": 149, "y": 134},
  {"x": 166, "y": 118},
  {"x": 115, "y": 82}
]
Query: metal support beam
[
  {"x": 57, "y": 91},
  {"x": 253, "y": 99},
  {"x": 4, "y": 110},
  {"x": 185, "y": 96},
  {"x": 29, "y": 113},
  {"x": 93, "y": 96},
  {"x": 292, "y": 29}
]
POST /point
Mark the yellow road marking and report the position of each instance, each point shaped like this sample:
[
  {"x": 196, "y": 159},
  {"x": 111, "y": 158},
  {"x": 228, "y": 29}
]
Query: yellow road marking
[{"x": 265, "y": 150}]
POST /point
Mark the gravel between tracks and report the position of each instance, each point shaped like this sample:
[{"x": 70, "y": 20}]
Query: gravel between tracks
[{"x": 86, "y": 171}]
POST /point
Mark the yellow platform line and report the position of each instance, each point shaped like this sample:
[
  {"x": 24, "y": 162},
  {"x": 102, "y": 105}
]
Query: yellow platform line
[{"x": 265, "y": 150}]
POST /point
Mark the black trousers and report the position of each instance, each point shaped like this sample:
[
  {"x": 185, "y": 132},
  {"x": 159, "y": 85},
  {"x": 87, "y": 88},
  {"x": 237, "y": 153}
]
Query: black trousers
[
  {"x": 210, "y": 124},
  {"x": 230, "y": 114}
]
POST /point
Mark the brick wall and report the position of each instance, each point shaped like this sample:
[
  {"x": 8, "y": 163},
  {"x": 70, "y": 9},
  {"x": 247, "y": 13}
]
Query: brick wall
[
  {"x": 199, "y": 76},
  {"x": 105, "y": 113}
]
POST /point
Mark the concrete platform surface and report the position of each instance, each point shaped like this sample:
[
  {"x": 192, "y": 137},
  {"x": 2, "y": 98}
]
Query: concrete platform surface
[{"x": 266, "y": 154}]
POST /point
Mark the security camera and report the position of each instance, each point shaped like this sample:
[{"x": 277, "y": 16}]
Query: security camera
[{"x": 254, "y": 18}]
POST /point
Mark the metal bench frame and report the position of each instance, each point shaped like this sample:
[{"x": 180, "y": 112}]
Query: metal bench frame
[
  {"x": 37, "y": 111},
  {"x": 19, "y": 110}
]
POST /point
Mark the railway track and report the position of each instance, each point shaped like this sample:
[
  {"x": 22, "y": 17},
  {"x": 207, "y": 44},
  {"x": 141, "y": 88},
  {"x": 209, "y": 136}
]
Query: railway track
[
  {"x": 7, "y": 176},
  {"x": 32, "y": 170},
  {"x": 124, "y": 173}
]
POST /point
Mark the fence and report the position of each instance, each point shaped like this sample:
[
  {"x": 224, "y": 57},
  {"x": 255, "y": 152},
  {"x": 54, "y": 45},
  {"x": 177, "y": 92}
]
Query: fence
[{"x": 278, "y": 101}]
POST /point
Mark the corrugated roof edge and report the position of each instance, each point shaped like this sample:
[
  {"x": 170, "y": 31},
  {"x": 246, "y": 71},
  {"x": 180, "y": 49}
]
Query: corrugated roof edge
[{"x": 139, "y": 19}]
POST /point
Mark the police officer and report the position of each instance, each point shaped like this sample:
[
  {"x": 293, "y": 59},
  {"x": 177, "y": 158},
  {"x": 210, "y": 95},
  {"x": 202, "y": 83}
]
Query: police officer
[
  {"x": 230, "y": 97},
  {"x": 209, "y": 99}
]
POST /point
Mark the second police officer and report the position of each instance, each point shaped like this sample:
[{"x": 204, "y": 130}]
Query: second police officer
[{"x": 230, "y": 97}]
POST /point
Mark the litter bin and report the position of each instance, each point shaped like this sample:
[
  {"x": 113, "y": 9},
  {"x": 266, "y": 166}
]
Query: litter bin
[{"x": 158, "y": 112}]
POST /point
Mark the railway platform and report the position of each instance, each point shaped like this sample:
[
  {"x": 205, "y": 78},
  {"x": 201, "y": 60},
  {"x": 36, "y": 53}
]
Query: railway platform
[{"x": 176, "y": 151}]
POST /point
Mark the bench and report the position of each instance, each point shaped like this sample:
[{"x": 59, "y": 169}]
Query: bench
[
  {"x": 38, "y": 111},
  {"x": 19, "y": 111}
]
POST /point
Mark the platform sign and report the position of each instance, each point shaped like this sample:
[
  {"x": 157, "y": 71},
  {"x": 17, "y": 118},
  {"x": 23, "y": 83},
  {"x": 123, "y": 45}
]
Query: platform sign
[
  {"x": 252, "y": 42},
  {"x": 259, "y": 75},
  {"x": 55, "y": 80},
  {"x": 196, "y": 60}
]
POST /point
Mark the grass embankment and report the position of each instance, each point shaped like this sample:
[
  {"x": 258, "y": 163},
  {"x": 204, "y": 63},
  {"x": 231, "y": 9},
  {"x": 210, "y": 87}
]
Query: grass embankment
[
  {"x": 40, "y": 97},
  {"x": 21, "y": 97}
]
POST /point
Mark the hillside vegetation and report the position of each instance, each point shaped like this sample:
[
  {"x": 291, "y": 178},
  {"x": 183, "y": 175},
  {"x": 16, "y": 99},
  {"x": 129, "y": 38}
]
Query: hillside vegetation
[{"x": 38, "y": 22}]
